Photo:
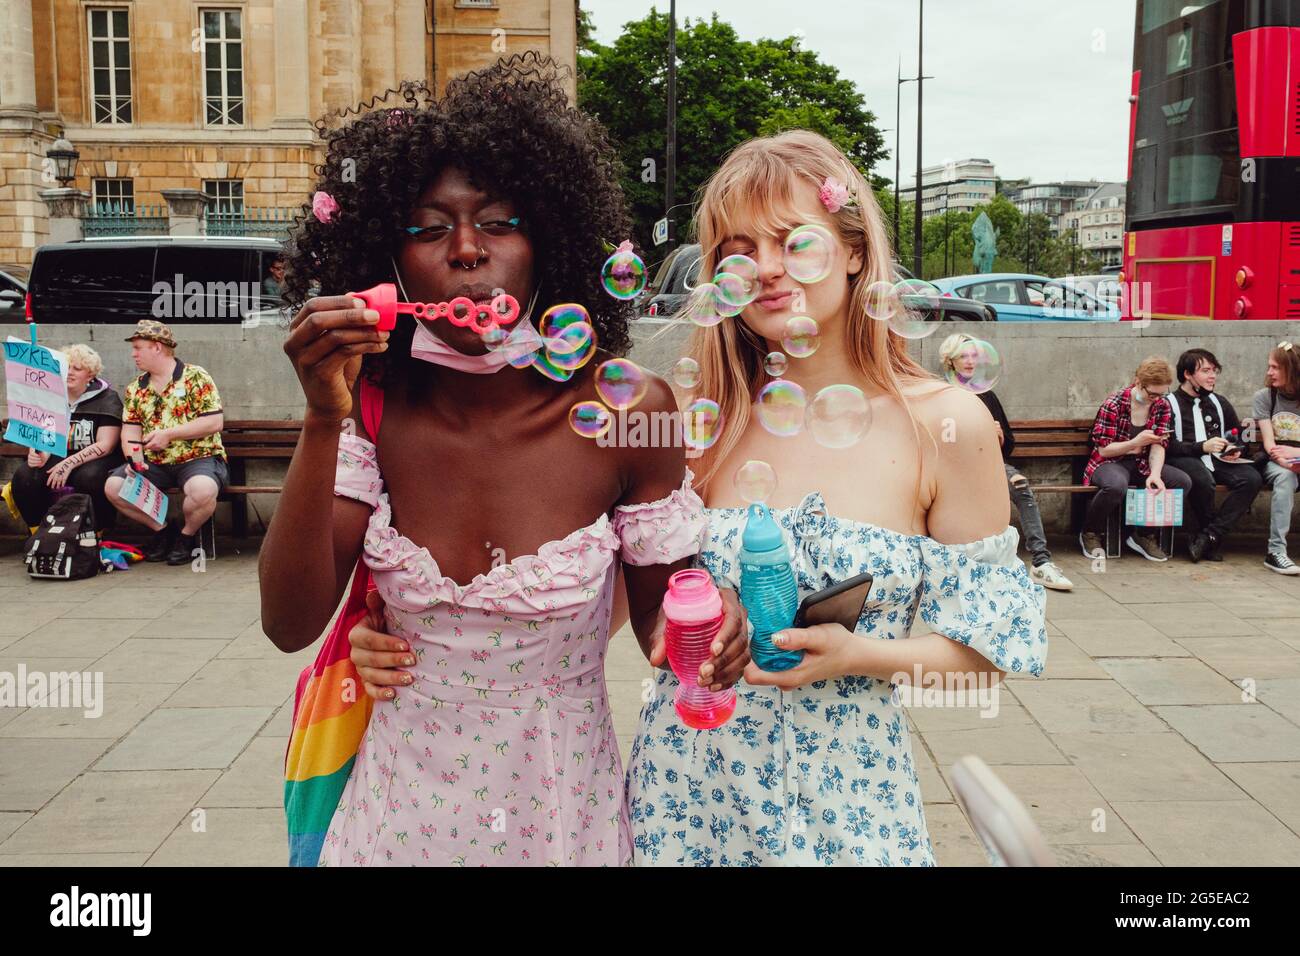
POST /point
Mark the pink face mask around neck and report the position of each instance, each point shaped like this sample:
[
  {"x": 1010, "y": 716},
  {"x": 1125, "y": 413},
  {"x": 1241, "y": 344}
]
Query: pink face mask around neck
[{"x": 429, "y": 348}]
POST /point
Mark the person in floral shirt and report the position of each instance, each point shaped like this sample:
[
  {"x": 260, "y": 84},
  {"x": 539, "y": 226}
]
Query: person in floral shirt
[{"x": 173, "y": 418}]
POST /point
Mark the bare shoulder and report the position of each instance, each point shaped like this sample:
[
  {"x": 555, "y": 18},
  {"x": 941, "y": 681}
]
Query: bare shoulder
[
  {"x": 945, "y": 408},
  {"x": 654, "y": 463}
]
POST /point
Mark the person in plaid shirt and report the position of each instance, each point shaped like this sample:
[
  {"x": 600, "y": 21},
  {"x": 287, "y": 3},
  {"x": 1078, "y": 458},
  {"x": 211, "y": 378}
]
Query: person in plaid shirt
[{"x": 1129, "y": 440}]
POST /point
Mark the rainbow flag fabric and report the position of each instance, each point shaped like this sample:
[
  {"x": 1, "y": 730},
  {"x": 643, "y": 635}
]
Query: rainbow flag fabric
[{"x": 330, "y": 712}]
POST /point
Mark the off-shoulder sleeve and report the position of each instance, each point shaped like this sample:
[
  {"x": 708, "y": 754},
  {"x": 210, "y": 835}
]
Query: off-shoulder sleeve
[
  {"x": 663, "y": 531},
  {"x": 357, "y": 475},
  {"x": 981, "y": 595}
]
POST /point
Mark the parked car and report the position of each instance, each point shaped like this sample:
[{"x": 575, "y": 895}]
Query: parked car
[
  {"x": 113, "y": 280},
  {"x": 13, "y": 289},
  {"x": 677, "y": 276},
  {"x": 1104, "y": 287},
  {"x": 674, "y": 281},
  {"x": 1026, "y": 298}
]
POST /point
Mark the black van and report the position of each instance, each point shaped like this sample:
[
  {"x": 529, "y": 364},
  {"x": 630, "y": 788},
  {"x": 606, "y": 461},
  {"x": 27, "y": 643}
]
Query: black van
[{"x": 175, "y": 279}]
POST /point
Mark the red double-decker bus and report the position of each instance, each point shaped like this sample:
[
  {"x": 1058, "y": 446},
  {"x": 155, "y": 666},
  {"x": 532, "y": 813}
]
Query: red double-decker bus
[{"x": 1213, "y": 212}]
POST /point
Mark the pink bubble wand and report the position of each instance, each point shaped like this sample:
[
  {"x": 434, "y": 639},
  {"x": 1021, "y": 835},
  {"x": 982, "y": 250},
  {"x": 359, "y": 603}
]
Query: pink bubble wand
[{"x": 461, "y": 311}]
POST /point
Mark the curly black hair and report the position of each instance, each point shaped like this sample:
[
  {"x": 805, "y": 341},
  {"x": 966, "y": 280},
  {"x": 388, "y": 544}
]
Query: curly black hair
[{"x": 511, "y": 128}]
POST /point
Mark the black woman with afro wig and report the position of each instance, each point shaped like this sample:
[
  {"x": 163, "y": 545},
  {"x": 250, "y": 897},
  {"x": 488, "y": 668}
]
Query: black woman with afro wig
[{"x": 486, "y": 632}]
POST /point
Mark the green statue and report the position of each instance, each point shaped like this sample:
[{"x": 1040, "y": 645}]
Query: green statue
[{"x": 986, "y": 243}]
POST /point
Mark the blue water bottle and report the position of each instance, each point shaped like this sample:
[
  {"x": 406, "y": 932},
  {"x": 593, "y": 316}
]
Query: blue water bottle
[{"x": 767, "y": 589}]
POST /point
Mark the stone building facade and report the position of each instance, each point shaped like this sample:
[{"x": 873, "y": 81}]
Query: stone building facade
[{"x": 213, "y": 102}]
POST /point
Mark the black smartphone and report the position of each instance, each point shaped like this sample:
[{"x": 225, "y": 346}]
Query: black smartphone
[{"x": 840, "y": 603}]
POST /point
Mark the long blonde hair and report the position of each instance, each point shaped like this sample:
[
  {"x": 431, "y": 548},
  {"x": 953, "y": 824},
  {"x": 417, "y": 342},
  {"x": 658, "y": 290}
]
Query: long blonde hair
[{"x": 752, "y": 192}]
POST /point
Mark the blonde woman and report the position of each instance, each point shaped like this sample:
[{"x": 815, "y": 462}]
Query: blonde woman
[
  {"x": 93, "y": 430},
  {"x": 960, "y": 356},
  {"x": 1129, "y": 441},
  {"x": 816, "y": 765}
]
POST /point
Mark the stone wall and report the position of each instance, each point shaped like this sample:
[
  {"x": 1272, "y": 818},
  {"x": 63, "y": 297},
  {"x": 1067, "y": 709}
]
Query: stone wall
[{"x": 1050, "y": 370}]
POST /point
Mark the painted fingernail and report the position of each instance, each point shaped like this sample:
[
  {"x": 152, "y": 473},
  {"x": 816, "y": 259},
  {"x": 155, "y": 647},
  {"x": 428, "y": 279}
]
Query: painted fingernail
[
  {"x": 372, "y": 315},
  {"x": 408, "y": 661},
  {"x": 390, "y": 694},
  {"x": 778, "y": 639},
  {"x": 359, "y": 304},
  {"x": 407, "y": 678}
]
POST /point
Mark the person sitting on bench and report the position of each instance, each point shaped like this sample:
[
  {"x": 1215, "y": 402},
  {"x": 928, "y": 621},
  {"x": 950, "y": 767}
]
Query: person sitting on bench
[
  {"x": 959, "y": 359},
  {"x": 1277, "y": 415},
  {"x": 95, "y": 425},
  {"x": 1206, "y": 444},
  {"x": 1128, "y": 450},
  {"x": 173, "y": 413}
]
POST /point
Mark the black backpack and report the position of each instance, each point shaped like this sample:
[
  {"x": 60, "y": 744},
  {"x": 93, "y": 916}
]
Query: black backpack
[{"x": 64, "y": 546}]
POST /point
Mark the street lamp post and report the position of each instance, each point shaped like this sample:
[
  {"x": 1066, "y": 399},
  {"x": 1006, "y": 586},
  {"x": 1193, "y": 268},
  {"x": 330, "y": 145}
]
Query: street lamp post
[
  {"x": 670, "y": 179},
  {"x": 898, "y": 171},
  {"x": 920, "y": 90},
  {"x": 945, "y": 234}
]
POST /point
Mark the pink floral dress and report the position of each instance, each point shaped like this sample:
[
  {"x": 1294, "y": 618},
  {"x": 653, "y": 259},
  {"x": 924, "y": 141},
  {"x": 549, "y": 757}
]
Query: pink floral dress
[{"x": 502, "y": 751}]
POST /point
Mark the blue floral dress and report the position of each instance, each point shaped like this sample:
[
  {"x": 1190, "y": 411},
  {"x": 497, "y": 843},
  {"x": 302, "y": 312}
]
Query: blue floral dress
[{"x": 824, "y": 774}]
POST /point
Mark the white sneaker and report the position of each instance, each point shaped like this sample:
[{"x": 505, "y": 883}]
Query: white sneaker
[
  {"x": 1281, "y": 564},
  {"x": 1050, "y": 576}
]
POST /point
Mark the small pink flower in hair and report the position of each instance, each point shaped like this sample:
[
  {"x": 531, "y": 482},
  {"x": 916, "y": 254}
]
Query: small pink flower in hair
[
  {"x": 323, "y": 206},
  {"x": 834, "y": 195},
  {"x": 399, "y": 117}
]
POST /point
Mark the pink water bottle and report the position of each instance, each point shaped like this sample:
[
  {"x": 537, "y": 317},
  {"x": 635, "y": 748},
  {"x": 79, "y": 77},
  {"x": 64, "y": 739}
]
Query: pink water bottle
[{"x": 693, "y": 608}]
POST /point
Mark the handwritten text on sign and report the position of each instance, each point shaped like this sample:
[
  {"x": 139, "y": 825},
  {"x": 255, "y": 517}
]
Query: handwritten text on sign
[
  {"x": 145, "y": 496},
  {"x": 36, "y": 385}
]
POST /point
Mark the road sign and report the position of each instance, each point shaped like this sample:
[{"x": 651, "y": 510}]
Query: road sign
[{"x": 661, "y": 231}]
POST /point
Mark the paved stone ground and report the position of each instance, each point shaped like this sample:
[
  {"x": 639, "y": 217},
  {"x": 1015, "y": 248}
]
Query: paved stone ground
[{"x": 1140, "y": 717}]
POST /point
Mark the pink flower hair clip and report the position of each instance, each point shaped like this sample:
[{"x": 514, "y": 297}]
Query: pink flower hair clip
[
  {"x": 323, "y": 206},
  {"x": 835, "y": 195}
]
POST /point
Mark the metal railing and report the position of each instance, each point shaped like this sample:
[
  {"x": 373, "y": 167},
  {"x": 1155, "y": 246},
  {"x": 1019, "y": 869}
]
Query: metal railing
[
  {"x": 113, "y": 220},
  {"x": 271, "y": 221}
]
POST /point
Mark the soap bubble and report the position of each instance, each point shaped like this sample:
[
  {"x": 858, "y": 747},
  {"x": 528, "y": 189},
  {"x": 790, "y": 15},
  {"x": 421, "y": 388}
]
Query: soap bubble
[
  {"x": 621, "y": 383},
  {"x": 801, "y": 336},
  {"x": 737, "y": 280},
  {"x": 755, "y": 481},
  {"x": 559, "y": 317},
  {"x": 729, "y": 295},
  {"x": 776, "y": 364},
  {"x": 734, "y": 292},
  {"x": 494, "y": 338},
  {"x": 839, "y": 416},
  {"x": 882, "y": 301},
  {"x": 808, "y": 254},
  {"x": 975, "y": 368},
  {"x": 521, "y": 345},
  {"x": 739, "y": 265},
  {"x": 905, "y": 320},
  {"x": 702, "y": 424},
  {"x": 623, "y": 275},
  {"x": 702, "y": 306},
  {"x": 573, "y": 347},
  {"x": 590, "y": 419},
  {"x": 780, "y": 408},
  {"x": 686, "y": 373}
]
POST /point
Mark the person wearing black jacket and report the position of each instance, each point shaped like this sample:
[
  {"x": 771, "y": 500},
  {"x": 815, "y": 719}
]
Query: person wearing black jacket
[
  {"x": 960, "y": 362},
  {"x": 1205, "y": 442},
  {"x": 95, "y": 423}
]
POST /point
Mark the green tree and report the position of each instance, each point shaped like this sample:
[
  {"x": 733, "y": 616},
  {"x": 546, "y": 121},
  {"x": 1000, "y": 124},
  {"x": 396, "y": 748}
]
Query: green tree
[{"x": 728, "y": 90}]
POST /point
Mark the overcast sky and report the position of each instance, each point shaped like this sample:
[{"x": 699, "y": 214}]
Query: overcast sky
[{"x": 1040, "y": 87}]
